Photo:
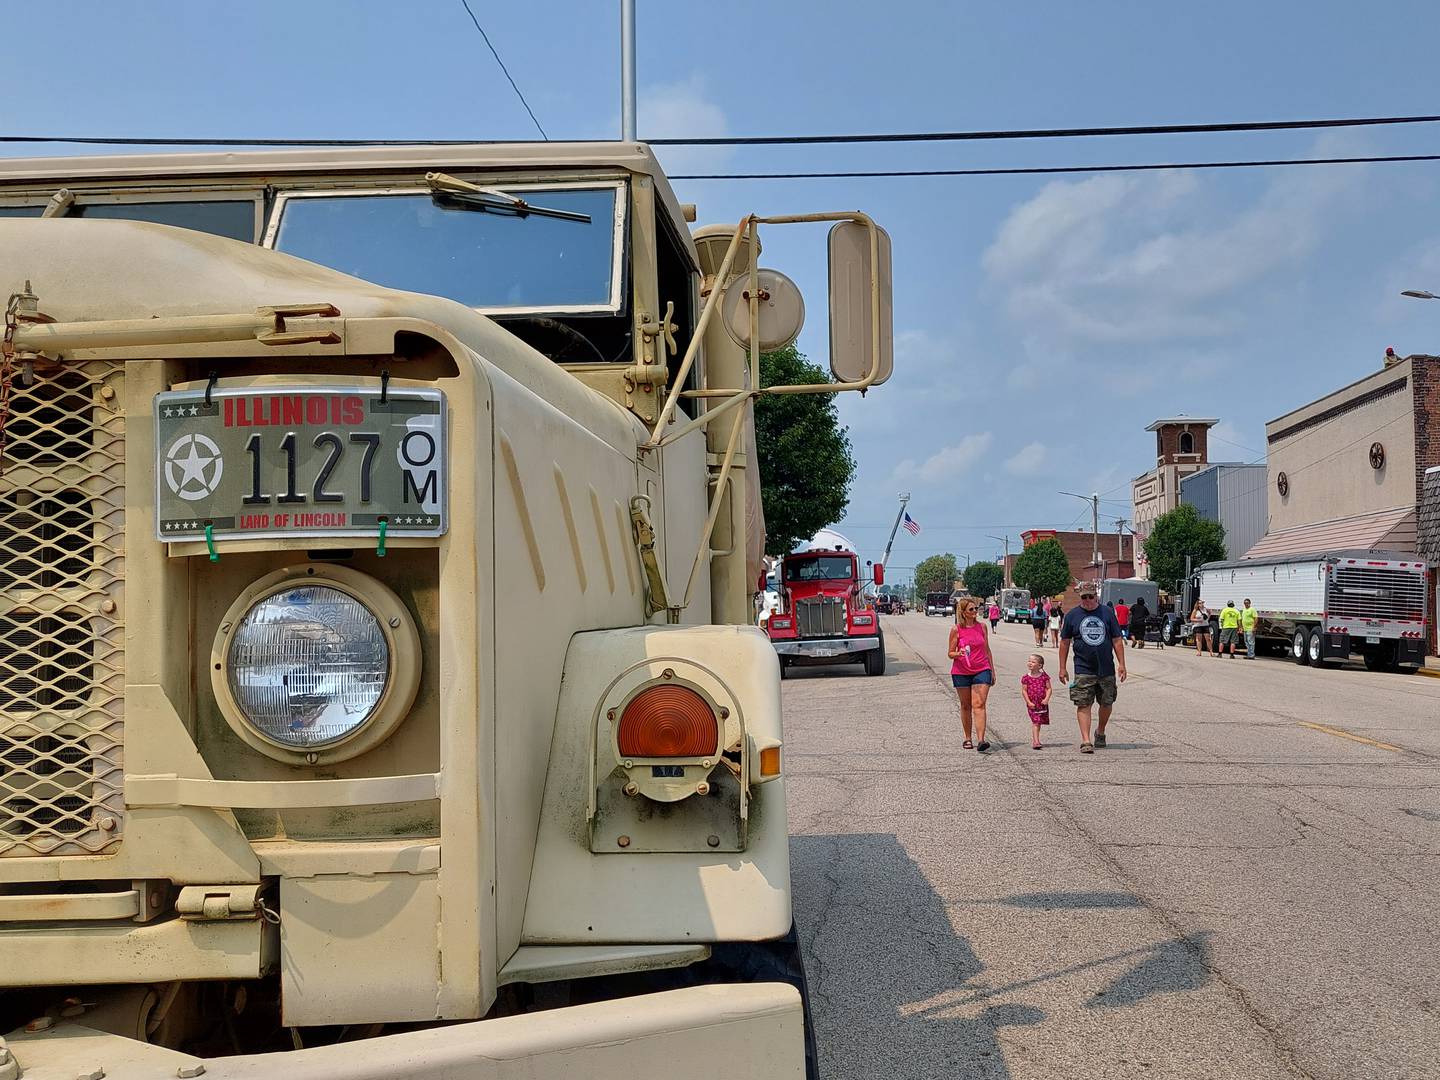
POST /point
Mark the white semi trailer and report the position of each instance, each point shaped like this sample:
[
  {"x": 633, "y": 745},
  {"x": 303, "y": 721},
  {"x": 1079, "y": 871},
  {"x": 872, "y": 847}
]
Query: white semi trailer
[{"x": 1325, "y": 607}]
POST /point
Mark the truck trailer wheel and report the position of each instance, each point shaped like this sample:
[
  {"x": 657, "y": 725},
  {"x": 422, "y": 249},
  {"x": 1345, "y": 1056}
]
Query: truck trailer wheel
[
  {"x": 1315, "y": 649},
  {"x": 1300, "y": 646}
]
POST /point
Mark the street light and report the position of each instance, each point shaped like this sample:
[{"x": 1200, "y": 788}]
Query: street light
[
  {"x": 1420, "y": 294},
  {"x": 1094, "y": 501}
]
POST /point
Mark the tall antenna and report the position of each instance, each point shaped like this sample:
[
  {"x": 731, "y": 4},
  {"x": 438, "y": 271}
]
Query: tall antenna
[{"x": 627, "y": 70}]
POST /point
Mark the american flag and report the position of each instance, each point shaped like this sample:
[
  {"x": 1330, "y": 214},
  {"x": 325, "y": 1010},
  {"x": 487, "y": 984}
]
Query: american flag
[{"x": 911, "y": 525}]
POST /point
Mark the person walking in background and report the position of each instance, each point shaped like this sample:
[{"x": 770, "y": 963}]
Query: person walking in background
[
  {"x": 1099, "y": 660},
  {"x": 1035, "y": 686},
  {"x": 972, "y": 672},
  {"x": 1122, "y": 616},
  {"x": 1057, "y": 615},
  {"x": 1139, "y": 614},
  {"x": 994, "y": 614},
  {"x": 1200, "y": 623},
  {"x": 1229, "y": 627},
  {"x": 1037, "y": 623},
  {"x": 1248, "y": 618}
]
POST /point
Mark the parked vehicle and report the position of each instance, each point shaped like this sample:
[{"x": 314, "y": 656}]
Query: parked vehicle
[
  {"x": 1015, "y": 605},
  {"x": 1130, "y": 589},
  {"x": 825, "y": 618},
  {"x": 375, "y": 672},
  {"x": 1328, "y": 606},
  {"x": 940, "y": 603}
]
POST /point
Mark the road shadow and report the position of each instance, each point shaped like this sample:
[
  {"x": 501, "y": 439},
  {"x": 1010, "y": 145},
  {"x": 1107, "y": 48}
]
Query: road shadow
[
  {"x": 895, "y": 992},
  {"x": 1170, "y": 967},
  {"x": 1052, "y": 900}
]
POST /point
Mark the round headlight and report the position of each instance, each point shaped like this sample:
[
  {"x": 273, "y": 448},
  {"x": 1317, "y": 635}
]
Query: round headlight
[
  {"x": 315, "y": 662},
  {"x": 308, "y": 665}
]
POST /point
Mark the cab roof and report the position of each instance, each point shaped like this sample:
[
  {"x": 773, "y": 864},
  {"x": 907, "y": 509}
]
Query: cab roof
[{"x": 54, "y": 172}]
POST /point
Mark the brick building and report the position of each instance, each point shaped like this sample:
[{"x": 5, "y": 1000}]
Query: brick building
[
  {"x": 1181, "y": 448},
  {"x": 1116, "y": 556},
  {"x": 1349, "y": 470}
]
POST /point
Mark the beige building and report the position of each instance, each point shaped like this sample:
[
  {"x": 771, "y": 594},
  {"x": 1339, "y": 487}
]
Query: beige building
[
  {"x": 1181, "y": 448},
  {"x": 1348, "y": 470}
]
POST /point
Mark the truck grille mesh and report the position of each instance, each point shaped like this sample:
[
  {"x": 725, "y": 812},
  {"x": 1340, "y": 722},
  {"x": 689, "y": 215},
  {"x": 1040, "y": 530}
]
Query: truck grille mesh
[
  {"x": 820, "y": 616},
  {"x": 1374, "y": 592},
  {"x": 62, "y": 679}
]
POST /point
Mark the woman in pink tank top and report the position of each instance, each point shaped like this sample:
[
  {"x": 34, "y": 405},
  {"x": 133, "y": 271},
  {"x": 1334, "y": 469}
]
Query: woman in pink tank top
[{"x": 972, "y": 671}]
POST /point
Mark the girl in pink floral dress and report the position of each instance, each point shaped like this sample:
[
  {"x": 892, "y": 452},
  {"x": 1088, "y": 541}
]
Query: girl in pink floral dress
[{"x": 1036, "y": 687}]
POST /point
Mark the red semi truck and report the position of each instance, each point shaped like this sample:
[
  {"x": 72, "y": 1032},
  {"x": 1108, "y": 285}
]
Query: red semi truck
[{"x": 824, "y": 616}]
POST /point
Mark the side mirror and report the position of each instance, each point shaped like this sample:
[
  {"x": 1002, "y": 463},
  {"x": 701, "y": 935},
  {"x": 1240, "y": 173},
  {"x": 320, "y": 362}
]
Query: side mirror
[
  {"x": 852, "y": 332},
  {"x": 879, "y": 574}
]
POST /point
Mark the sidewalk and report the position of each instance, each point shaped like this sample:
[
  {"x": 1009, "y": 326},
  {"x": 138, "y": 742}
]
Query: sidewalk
[{"x": 1431, "y": 668}]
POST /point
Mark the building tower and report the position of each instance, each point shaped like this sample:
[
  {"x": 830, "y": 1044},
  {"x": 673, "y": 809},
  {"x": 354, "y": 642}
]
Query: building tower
[{"x": 1181, "y": 448}]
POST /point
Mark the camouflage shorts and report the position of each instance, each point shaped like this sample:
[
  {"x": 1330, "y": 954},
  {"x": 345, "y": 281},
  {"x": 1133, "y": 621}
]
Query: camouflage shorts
[{"x": 1087, "y": 689}]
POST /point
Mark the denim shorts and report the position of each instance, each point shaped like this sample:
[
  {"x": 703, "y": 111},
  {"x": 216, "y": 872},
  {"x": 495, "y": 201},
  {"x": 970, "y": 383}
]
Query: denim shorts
[{"x": 964, "y": 682}]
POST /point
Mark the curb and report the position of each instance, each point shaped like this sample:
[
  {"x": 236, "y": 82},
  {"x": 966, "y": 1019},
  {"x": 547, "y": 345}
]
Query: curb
[{"x": 1432, "y": 673}]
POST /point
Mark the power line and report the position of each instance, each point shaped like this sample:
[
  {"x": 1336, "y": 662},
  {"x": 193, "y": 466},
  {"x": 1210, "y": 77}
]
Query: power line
[
  {"x": 1045, "y": 133},
  {"x": 1044, "y": 170},
  {"x": 762, "y": 140},
  {"x": 466, "y": 5}
]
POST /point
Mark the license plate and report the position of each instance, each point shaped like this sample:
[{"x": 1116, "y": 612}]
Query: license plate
[
  {"x": 300, "y": 461},
  {"x": 1372, "y": 639}
]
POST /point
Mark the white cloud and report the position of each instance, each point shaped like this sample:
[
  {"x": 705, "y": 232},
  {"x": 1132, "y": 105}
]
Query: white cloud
[
  {"x": 1234, "y": 444},
  {"x": 1030, "y": 460},
  {"x": 948, "y": 463},
  {"x": 1142, "y": 259},
  {"x": 683, "y": 110}
]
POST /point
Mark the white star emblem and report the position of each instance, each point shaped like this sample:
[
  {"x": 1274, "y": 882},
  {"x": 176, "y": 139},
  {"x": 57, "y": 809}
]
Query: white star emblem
[
  {"x": 194, "y": 410},
  {"x": 193, "y": 467}
]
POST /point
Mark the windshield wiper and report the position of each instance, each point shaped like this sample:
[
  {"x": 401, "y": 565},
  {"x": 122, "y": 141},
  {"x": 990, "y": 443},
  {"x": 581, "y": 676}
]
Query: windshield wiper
[{"x": 464, "y": 194}]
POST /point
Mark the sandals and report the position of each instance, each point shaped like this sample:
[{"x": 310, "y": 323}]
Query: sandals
[
  {"x": 1037, "y": 746},
  {"x": 1087, "y": 748},
  {"x": 967, "y": 745},
  {"x": 983, "y": 746}
]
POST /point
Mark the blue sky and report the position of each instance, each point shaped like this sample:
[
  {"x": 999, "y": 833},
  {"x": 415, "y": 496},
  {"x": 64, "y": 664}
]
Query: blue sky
[{"x": 1041, "y": 323}]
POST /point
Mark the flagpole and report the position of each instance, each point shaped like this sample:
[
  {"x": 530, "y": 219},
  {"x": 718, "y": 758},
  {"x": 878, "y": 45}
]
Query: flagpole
[{"x": 904, "y": 498}]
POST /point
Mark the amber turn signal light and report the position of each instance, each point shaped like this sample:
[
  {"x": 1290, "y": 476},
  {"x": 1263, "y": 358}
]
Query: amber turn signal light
[
  {"x": 668, "y": 721},
  {"x": 770, "y": 761}
]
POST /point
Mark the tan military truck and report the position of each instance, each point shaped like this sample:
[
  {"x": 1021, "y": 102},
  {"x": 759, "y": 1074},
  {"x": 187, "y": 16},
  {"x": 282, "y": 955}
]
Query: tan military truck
[{"x": 377, "y": 527}]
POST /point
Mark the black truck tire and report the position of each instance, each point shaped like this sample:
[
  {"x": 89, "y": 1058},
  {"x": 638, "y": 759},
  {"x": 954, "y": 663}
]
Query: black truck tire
[
  {"x": 875, "y": 659},
  {"x": 1300, "y": 646}
]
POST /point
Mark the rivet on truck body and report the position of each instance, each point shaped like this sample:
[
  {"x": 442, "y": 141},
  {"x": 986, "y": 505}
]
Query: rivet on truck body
[
  {"x": 668, "y": 673},
  {"x": 702, "y": 788},
  {"x": 632, "y": 788},
  {"x": 107, "y": 823},
  {"x": 610, "y": 716},
  {"x": 225, "y": 628},
  {"x": 394, "y": 621},
  {"x": 724, "y": 713},
  {"x": 713, "y": 840},
  {"x": 623, "y": 841},
  {"x": 312, "y": 758},
  {"x": 107, "y": 606}
]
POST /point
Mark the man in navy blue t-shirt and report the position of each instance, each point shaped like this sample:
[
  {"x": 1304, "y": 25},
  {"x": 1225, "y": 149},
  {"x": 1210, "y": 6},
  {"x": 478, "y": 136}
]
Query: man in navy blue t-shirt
[{"x": 1099, "y": 656}]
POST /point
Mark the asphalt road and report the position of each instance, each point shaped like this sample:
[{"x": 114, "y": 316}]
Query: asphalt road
[{"x": 1244, "y": 883}]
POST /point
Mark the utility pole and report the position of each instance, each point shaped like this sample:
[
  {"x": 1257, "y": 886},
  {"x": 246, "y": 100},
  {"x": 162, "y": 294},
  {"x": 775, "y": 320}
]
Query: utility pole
[
  {"x": 627, "y": 70},
  {"x": 904, "y": 498},
  {"x": 1120, "y": 536},
  {"x": 1006, "y": 564}
]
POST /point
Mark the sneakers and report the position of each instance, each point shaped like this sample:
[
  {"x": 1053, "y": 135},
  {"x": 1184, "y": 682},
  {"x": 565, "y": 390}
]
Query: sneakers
[{"x": 1099, "y": 739}]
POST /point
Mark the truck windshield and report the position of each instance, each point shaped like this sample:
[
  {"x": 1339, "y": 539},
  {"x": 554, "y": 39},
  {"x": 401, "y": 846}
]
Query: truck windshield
[
  {"x": 484, "y": 258},
  {"x": 825, "y": 568}
]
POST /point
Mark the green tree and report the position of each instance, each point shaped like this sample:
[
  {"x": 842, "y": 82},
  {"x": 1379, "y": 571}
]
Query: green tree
[
  {"x": 1042, "y": 568},
  {"x": 1178, "y": 533},
  {"x": 805, "y": 460},
  {"x": 935, "y": 574},
  {"x": 983, "y": 578}
]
